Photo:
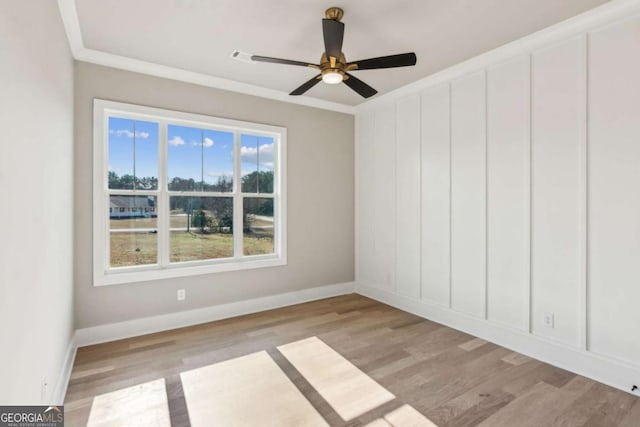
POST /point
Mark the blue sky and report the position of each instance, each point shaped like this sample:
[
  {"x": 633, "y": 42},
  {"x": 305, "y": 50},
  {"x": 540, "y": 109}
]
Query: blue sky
[
  {"x": 188, "y": 147},
  {"x": 121, "y": 147},
  {"x": 188, "y": 150}
]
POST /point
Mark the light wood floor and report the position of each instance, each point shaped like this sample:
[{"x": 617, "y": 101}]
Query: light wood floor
[{"x": 452, "y": 378}]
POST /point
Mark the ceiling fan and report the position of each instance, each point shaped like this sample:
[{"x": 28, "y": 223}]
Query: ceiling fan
[{"x": 334, "y": 67}]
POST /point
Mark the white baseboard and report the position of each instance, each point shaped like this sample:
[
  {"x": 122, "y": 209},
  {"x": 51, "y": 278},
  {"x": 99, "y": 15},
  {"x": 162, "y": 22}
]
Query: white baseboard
[
  {"x": 60, "y": 391},
  {"x": 148, "y": 325},
  {"x": 597, "y": 367}
]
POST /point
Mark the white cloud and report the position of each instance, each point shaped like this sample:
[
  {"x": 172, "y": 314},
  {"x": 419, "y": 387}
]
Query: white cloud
[
  {"x": 127, "y": 133},
  {"x": 250, "y": 155},
  {"x": 208, "y": 142},
  {"x": 176, "y": 141}
]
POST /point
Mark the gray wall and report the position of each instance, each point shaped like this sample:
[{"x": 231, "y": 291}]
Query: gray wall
[
  {"x": 36, "y": 193},
  {"x": 320, "y": 198}
]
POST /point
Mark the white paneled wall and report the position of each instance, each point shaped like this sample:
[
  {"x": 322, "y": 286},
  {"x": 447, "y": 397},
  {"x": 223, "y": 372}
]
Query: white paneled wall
[
  {"x": 383, "y": 187},
  {"x": 508, "y": 193},
  {"x": 408, "y": 196},
  {"x": 365, "y": 199},
  {"x": 614, "y": 191},
  {"x": 468, "y": 195},
  {"x": 558, "y": 190},
  {"x": 436, "y": 187},
  {"x": 506, "y": 201}
]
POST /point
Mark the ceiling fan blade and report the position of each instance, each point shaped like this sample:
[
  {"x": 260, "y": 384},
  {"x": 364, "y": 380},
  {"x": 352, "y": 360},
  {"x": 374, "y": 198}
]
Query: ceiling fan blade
[
  {"x": 359, "y": 86},
  {"x": 282, "y": 61},
  {"x": 392, "y": 61},
  {"x": 307, "y": 85},
  {"x": 333, "y": 32}
]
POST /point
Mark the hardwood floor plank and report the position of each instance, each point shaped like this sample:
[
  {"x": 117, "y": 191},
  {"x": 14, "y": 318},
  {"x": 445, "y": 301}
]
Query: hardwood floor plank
[
  {"x": 246, "y": 391},
  {"x": 378, "y": 423},
  {"x": 613, "y": 409},
  {"x": 347, "y": 389},
  {"x": 472, "y": 344},
  {"x": 140, "y": 405},
  {"x": 632, "y": 417},
  {"x": 526, "y": 410},
  {"x": 486, "y": 406},
  {"x": 407, "y": 416},
  {"x": 177, "y": 403},
  {"x": 516, "y": 358}
]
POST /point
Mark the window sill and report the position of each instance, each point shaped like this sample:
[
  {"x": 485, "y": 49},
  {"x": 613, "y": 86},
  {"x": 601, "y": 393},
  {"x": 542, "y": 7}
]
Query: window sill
[{"x": 145, "y": 274}]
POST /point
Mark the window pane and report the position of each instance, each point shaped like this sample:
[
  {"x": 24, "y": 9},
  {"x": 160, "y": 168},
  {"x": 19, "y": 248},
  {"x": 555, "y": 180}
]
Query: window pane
[
  {"x": 201, "y": 228},
  {"x": 265, "y": 165},
  {"x": 184, "y": 161},
  {"x": 258, "y": 226},
  {"x": 133, "y": 224},
  {"x": 218, "y": 161},
  {"x": 256, "y": 155},
  {"x": 133, "y": 154},
  {"x": 200, "y": 159}
]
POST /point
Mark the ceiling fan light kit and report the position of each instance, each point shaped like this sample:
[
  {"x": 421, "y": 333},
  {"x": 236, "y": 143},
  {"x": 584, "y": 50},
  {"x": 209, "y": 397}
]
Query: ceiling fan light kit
[
  {"x": 332, "y": 77},
  {"x": 334, "y": 67}
]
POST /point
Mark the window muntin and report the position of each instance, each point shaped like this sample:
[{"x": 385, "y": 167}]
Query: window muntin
[{"x": 184, "y": 194}]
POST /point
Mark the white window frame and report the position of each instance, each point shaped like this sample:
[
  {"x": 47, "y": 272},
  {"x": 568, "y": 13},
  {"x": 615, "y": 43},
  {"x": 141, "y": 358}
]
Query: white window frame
[{"x": 103, "y": 274}]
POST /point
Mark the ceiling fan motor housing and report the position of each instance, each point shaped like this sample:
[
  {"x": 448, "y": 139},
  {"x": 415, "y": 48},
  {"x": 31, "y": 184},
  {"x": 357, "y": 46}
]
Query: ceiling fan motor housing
[
  {"x": 334, "y": 13},
  {"x": 334, "y": 65}
]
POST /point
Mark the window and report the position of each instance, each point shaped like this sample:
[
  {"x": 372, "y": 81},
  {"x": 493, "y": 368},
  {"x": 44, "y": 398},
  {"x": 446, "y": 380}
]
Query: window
[{"x": 179, "y": 194}]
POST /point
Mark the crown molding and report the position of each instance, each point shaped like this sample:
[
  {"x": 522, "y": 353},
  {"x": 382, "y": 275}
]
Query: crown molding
[
  {"x": 71, "y": 23},
  {"x": 124, "y": 63},
  {"x": 591, "y": 20}
]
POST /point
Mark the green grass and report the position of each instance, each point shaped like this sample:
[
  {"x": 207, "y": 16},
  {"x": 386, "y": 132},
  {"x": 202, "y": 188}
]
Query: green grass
[
  {"x": 191, "y": 246},
  {"x": 177, "y": 221},
  {"x": 133, "y": 249},
  {"x": 128, "y": 249},
  {"x": 258, "y": 242},
  {"x": 132, "y": 223}
]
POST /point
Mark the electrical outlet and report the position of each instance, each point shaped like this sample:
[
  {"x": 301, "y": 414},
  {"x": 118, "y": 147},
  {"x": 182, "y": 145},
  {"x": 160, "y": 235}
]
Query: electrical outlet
[
  {"x": 549, "y": 320},
  {"x": 182, "y": 294}
]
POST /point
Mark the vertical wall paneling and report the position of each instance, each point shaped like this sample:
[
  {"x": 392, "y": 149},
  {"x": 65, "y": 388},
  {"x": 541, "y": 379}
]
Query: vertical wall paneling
[
  {"x": 383, "y": 187},
  {"x": 508, "y": 193},
  {"x": 365, "y": 146},
  {"x": 558, "y": 181},
  {"x": 614, "y": 191},
  {"x": 468, "y": 194},
  {"x": 435, "y": 190},
  {"x": 408, "y": 196}
]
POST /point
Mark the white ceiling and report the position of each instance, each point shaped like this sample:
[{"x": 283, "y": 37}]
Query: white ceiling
[{"x": 199, "y": 35}]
